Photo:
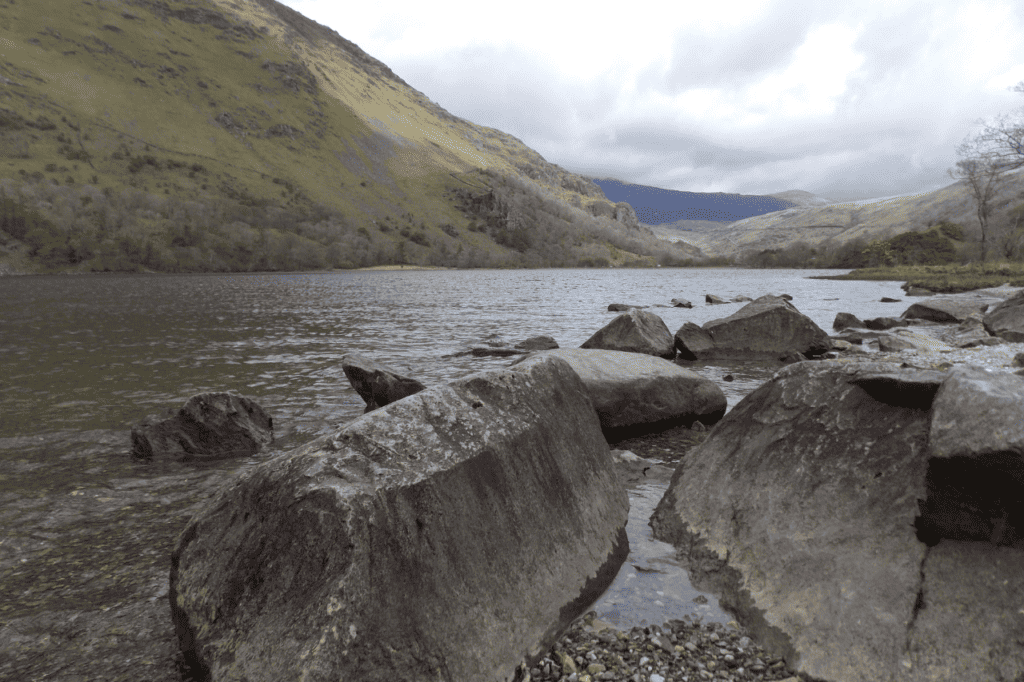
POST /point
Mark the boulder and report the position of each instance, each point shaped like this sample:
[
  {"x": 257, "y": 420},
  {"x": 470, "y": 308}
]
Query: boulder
[
  {"x": 917, "y": 291},
  {"x": 971, "y": 332},
  {"x": 636, "y": 331},
  {"x": 622, "y": 307},
  {"x": 740, "y": 299},
  {"x": 681, "y": 303},
  {"x": 693, "y": 343},
  {"x": 635, "y": 394},
  {"x": 905, "y": 339},
  {"x": 864, "y": 521},
  {"x": 881, "y": 323},
  {"x": 208, "y": 426},
  {"x": 447, "y": 536},
  {"x": 537, "y": 343},
  {"x": 886, "y": 299},
  {"x": 711, "y": 299},
  {"x": 377, "y": 384},
  {"x": 951, "y": 307},
  {"x": 845, "y": 321},
  {"x": 1006, "y": 319},
  {"x": 768, "y": 326}
]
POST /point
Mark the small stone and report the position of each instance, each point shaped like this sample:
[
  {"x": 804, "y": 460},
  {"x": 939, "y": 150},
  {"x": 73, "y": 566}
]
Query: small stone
[
  {"x": 595, "y": 668},
  {"x": 691, "y": 647},
  {"x": 657, "y": 678}
]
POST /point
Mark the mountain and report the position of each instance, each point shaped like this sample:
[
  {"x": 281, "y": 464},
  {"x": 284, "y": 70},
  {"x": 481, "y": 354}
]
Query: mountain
[
  {"x": 657, "y": 206},
  {"x": 219, "y": 135},
  {"x": 834, "y": 225}
]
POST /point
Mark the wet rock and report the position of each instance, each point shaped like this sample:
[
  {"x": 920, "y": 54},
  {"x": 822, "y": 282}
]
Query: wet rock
[
  {"x": 634, "y": 393},
  {"x": 768, "y": 326},
  {"x": 622, "y": 307},
  {"x": 537, "y": 343},
  {"x": 905, "y": 339},
  {"x": 970, "y": 332},
  {"x": 845, "y": 321},
  {"x": 886, "y": 299},
  {"x": 882, "y": 323},
  {"x": 740, "y": 299},
  {"x": 681, "y": 303},
  {"x": 377, "y": 384},
  {"x": 951, "y": 307},
  {"x": 693, "y": 343},
  {"x": 408, "y": 544},
  {"x": 636, "y": 331},
  {"x": 864, "y": 520},
  {"x": 789, "y": 357},
  {"x": 208, "y": 426},
  {"x": 711, "y": 299},
  {"x": 1006, "y": 319}
]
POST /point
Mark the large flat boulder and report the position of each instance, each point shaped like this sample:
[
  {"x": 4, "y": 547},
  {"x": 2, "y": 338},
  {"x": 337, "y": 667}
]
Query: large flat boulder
[
  {"x": 905, "y": 339},
  {"x": 447, "y": 536},
  {"x": 376, "y": 383},
  {"x": 767, "y": 326},
  {"x": 635, "y": 331},
  {"x": 864, "y": 521},
  {"x": 208, "y": 426},
  {"x": 635, "y": 394},
  {"x": 951, "y": 307},
  {"x": 1006, "y": 319}
]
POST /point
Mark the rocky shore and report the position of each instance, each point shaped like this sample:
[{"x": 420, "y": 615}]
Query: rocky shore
[{"x": 678, "y": 651}]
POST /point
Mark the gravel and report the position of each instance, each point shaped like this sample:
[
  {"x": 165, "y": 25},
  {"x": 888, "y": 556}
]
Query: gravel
[{"x": 678, "y": 651}]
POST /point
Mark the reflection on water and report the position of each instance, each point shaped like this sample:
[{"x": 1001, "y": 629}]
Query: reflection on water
[{"x": 84, "y": 357}]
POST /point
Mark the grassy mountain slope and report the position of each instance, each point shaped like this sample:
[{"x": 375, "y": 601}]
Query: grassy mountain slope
[
  {"x": 231, "y": 135},
  {"x": 841, "y": 223}
]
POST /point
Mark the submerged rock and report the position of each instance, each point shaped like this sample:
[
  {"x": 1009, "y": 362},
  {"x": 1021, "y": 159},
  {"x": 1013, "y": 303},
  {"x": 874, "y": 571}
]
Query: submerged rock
[
  {"x": 636, "y": 331},
  {"x": 447, "y": 536},
  {"x": 711, "y": 299},
  {"x": 864, "y": 520},
  {"x": 681, "y": 303},
  {"x": 634, "y": 393},
  {"x": 208, "y": 426},
  {"x": 377, "y": 384}
]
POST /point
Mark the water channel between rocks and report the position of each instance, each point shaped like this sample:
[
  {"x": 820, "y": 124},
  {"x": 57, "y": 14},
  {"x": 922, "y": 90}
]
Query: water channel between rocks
[{"x": 88, "y": 531}]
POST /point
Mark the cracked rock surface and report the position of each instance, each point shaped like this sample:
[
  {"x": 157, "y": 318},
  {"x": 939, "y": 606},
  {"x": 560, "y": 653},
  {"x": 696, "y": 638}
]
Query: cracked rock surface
[{"x": 863, "y": 520}]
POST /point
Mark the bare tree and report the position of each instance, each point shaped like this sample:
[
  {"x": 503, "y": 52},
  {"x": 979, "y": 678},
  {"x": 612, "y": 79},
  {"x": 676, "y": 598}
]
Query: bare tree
[{"x": 985, "y": 158}]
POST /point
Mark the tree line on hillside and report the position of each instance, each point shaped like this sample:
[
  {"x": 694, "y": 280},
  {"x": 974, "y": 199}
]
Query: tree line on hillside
[{"x": 512, "y": 223}]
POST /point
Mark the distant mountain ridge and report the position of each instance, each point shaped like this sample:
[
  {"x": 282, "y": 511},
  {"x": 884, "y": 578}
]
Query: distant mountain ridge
[{"x": 657, "y": 206}]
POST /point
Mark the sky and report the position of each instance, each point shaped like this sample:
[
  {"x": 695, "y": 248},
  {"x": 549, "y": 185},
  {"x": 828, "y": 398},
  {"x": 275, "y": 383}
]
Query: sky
[{"x": 849, "y": 100}]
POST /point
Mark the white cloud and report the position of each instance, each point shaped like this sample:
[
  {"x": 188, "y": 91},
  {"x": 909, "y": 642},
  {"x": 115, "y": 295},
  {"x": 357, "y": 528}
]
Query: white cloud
[{"x": 848, "y": 100}]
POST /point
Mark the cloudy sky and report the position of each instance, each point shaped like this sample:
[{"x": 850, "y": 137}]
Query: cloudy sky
[{"x": 847, "y": 100}]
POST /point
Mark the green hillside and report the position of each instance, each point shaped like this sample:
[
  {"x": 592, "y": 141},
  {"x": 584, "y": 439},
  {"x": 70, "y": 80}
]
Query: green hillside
[{"x": 187, "y": 135}]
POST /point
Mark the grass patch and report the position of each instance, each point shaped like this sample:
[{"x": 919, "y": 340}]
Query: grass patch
[{"x": 947, "y": 279}]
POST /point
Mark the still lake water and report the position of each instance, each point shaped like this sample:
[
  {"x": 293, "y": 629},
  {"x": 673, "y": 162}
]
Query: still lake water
[{"x": 84, "y": 357}]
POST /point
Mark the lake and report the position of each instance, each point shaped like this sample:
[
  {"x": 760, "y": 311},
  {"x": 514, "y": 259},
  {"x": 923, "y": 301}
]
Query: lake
[{"x": 87, "y": 531}]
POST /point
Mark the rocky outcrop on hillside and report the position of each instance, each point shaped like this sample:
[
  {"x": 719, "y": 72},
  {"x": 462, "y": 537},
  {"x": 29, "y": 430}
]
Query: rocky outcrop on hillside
[
  {"x": 864, "y": 520},
  {"x": 447, "y": 536}
]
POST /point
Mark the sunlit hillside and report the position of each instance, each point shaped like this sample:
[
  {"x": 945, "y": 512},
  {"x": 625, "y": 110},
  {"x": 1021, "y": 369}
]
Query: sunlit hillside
[{"x": 224, "y": 135}]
